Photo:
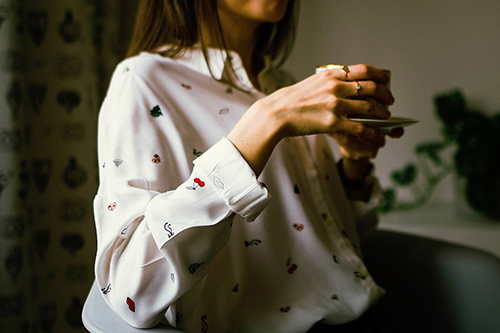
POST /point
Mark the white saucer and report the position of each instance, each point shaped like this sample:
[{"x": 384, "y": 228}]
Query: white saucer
[{"x": 386, "y": 125}]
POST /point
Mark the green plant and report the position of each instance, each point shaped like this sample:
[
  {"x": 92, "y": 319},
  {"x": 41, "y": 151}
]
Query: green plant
[{"x": 475, "y": 139}]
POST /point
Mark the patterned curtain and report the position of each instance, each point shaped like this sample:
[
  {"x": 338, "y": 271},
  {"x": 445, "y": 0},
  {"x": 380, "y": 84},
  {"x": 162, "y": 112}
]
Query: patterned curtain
[{"x": 55, "y": 61}]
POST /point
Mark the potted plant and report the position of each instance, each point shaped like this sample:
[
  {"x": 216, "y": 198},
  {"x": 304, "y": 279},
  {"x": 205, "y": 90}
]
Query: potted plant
[{"x": 475, "y": 140}]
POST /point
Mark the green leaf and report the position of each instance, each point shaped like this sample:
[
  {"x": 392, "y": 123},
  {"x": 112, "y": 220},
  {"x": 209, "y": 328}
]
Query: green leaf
[{"x": 405, "y": 176}]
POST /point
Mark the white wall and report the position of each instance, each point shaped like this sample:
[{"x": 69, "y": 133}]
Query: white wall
[{"x": 431, "y": 46}]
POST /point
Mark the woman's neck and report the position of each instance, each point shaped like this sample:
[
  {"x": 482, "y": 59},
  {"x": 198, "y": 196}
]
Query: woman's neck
[{"x": 239, "y": 36}]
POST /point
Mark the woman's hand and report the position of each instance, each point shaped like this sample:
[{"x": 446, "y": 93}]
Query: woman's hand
[
  {"x": 319, "y": 104},
  {"x": 357, "y": 152}
]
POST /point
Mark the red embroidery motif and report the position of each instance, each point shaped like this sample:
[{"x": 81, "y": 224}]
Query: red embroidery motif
[
  {"x": 291, "y": 267},
  {"x": 187, "y": 86},
  {"x": 156, "y": 158},
  {"x": 285, "y": 309},
  {"x": 299, "y": 227},
  {"x": 197, "y": 183},
  {"x": 131, "y": 304}
]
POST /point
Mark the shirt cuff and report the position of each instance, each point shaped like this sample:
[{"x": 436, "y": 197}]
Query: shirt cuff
[
  {"x": 233, "y": 180},
  {"x": 366, "y": 213}
]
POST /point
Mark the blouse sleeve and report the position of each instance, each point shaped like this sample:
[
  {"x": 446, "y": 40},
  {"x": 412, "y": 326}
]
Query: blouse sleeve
[
  {"x": 159, "y": 220},
  {"x": 366, "y": 213}
]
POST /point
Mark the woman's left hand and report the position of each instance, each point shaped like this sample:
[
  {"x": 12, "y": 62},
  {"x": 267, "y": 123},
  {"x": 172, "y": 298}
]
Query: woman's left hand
[
  {"x": 355, "y": 148},
  {"x": 357, "y": 153}
]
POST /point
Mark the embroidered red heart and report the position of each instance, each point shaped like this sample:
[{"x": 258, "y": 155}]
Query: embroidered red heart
[
  {"x": 285, "y": 309},
  {"x": 292, "y": 268},
  {"x": 299, "y": 227},
  {"x": 112, "y": 206},
  {"x": 131, "y": 304},
  {"x": 156, "y": 158}
]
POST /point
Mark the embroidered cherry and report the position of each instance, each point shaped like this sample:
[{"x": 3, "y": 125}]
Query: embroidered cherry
[
  {"x": 291, "y": 267},
  {"x": 197, "y": 182},
  {"x": 285, "y": 309}
]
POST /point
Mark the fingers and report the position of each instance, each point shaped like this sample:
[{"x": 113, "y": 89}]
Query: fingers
[
  {"x": 365, "y": 84},
  {"x": 367, "y": 72},
  {"x": 371, "y": 89},
  {"x": 354, "y": 108},
  {"x": 356, "y": 148},
  {"x": 396, "y": 133}
]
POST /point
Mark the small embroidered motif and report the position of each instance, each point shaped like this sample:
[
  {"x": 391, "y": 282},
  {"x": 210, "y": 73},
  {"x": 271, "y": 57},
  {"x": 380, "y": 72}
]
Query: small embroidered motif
[
  {"x": 156, "y": 112},
  {"x": 362, "y": 275},
  {"x": 131, "y": 304},
  {"x": 106, "y": 290},
  {"x": 197, "y": 183},
  {"x": 194, "y": 267},
  {"x": 285, "y": 309},
  {"x": 112, "y": 206},
  {"x": 291, "y": 267},
  {"x": 296, "y": 189},
  {"x": 335, "y": 297},
  {"x": 104, "y": 165},
  {"x": 224, "y": 111},
  {"x": 229, "y": 90},
  {"x": 117, "y": 162},
  {"x": 204, "y": 324},
  {"x": 253, "y": 242},
  {"x": 187, "y": 86},
  {"x": 156, "y": 158},
  {"x": 197, "y": 153},
  {"x": 218, "y": 182},
  {"x": 125, "y": 70},
  {"x": 236, "y": 288},
  {"x": 298, "y": 227},
  {"x": 168, "y": 228},
  {"x": 336, "y": 260}
]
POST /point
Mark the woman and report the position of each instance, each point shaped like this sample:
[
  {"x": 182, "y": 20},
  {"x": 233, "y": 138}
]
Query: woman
[{"x": 196, "y": 133}]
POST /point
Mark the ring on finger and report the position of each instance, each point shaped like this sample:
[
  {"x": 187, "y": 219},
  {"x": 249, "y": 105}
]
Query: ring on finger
[{"x": 358, "y": 88}]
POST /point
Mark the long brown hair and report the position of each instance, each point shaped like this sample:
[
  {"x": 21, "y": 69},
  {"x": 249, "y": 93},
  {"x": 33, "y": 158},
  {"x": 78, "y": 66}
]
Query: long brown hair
[{"x": 178, "y": 25}]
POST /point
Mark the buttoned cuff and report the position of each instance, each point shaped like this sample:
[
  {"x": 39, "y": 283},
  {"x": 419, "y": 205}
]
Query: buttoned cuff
[{"x": 233, "y": 180}]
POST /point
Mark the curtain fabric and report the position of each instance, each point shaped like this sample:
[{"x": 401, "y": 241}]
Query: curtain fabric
[{"x": 55, "y": 61}]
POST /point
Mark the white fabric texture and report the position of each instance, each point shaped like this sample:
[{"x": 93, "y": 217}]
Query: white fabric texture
[{"x": 176, "y": 202}]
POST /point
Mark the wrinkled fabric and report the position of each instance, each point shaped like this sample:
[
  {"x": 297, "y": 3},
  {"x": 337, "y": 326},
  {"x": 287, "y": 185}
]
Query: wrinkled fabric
[{"x": 187, "y": 233}]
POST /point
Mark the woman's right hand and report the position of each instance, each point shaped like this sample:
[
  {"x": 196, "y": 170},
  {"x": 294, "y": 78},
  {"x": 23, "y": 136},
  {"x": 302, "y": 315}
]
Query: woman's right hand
[{"x": 319, "y": 104}]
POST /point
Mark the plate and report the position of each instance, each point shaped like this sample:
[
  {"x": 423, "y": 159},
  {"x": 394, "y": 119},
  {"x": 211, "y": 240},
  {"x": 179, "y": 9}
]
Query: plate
[{"x": 386, "y": 125}]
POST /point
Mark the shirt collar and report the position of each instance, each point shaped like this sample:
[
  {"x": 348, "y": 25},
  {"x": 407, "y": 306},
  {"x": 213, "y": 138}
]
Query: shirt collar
[{"x": 220, "y": 69}]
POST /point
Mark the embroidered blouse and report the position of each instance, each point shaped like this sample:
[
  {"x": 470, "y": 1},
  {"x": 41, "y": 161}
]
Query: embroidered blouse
[{"x": 188, "y": 234}]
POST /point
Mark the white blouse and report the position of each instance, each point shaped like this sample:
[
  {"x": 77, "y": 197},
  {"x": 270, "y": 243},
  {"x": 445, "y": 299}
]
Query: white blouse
[{"x": 188, "y": 234}]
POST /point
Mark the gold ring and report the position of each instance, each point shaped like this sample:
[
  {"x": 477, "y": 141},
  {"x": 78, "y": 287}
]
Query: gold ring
[
  {"x": 344, "y": 69},
  {"x": 358, "y": 88}
]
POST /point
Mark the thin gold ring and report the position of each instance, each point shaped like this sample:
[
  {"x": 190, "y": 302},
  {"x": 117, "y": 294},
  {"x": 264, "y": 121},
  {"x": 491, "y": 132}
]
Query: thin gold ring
[{"x": 358, "y": 88}]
